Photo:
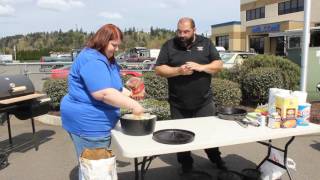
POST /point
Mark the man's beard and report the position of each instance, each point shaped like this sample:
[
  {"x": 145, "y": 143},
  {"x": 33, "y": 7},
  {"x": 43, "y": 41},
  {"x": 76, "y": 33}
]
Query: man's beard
[{"x": 183, "y": 42}]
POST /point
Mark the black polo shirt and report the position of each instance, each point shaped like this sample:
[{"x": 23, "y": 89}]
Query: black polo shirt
[{"x": 190, "y": 91}]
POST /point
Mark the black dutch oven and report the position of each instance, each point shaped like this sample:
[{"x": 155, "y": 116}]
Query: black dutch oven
[{"x": 138, "y": 127}]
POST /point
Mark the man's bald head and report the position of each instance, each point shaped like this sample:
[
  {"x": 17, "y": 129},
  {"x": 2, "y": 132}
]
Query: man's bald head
[
  {"x": 185, "y": 32},
  {"x": 187, "y": 20}
]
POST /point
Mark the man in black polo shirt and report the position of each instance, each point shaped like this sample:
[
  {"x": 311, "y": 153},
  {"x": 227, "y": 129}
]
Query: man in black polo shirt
[{"x": 188, "y": 61}]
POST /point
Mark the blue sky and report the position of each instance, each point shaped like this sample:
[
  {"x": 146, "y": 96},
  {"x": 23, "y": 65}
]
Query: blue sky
[{"x": 25, "y": 16}]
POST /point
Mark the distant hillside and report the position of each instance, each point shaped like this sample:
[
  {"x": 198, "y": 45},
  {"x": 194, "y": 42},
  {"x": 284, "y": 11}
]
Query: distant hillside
[{"x": 34, "y": 45}]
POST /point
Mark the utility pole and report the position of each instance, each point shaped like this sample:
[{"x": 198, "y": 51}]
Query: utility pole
[
  {"x": 306, "y": 41},
  {"x": 15, "y": 52}
]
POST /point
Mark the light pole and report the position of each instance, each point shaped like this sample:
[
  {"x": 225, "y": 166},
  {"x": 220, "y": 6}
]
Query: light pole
[
  {"x": 306, "y": 41},
  {"x": 15, "y": 52}
]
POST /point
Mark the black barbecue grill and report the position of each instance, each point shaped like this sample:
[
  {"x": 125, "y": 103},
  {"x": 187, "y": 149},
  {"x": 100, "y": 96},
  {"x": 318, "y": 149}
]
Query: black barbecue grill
[{"x": 18, "y": 97}]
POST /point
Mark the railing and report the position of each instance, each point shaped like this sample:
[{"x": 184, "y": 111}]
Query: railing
[
  {"x": 46, "y": 67},
  {"x": 38, "y": 72}
]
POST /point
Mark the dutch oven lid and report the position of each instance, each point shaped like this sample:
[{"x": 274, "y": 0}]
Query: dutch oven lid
[{"x": 173, "y": 136}]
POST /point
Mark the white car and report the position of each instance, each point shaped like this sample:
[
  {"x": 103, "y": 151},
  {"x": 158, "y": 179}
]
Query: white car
[{"x": 232, "y": 58}]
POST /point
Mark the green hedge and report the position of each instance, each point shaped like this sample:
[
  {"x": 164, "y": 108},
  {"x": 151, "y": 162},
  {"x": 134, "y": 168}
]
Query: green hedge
[
  {"x": 290, "y": 71},
  {"x": 156, "y": 86},
  {"x": 159, "y": 108},
  {"x": 226, "y": 92},
  {"x": 55, "y": 89},
  {"x": 224, "y": 74},
  {"x": 256, "y": 84}
]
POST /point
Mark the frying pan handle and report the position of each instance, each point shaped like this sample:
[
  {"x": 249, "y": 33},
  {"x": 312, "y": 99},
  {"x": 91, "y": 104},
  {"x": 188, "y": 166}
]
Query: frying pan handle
[{"x": 242, "y": 123}]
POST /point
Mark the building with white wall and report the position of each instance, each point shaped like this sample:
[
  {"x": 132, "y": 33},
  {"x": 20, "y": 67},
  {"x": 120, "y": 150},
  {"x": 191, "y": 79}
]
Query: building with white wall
[{"x": 262, "y": 22}]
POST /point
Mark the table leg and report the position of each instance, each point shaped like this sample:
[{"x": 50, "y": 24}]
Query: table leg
[
  {"x": 9, "y": 128},
  {"x": 34, "y": 138},
  {"x": 144, "y": 166},
  {"x": 285, "y": 152}
]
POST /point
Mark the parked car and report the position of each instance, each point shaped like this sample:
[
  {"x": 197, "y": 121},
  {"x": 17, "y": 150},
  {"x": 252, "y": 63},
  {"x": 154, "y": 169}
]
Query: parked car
[
  {"x": 232, "y": 58},
  {"x": 62, "y": 73},
  {"x": 220, "y": 49}
]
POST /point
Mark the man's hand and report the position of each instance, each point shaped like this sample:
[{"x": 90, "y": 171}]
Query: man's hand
[
  {"x": 195, "y": 66},
  {"x": 211, "y": 68},
  {"x": 185, "y": 70}
]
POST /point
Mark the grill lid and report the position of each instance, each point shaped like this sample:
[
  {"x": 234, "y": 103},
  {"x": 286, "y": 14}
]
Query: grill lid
[{"x": 14, "y": 86}]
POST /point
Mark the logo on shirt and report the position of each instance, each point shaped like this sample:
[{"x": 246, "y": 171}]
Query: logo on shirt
[{"x": 200, "y": 48}]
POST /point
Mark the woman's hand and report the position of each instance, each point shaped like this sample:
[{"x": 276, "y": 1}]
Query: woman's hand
[
  {"x": 137, "y": 109},
  {"x": 116, "y": 98},
  {"x": 126, "y": 92}
]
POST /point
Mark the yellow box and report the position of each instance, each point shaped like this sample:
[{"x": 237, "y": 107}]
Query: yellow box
[{"x": 287, "y": 108}]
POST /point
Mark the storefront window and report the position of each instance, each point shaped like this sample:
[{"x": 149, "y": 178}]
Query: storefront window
[
  {"x": 300, "y": 5},
  {"x": 315, "y": 38},
  {"x": 290, "y": 6},
  {"x": 294, "y": 42},
  {"x": 257, "y": 13},
  {"x": 223, "y": 41},
  {"x": 257, "y": 43},
  {"x": 294, "y": 5}
]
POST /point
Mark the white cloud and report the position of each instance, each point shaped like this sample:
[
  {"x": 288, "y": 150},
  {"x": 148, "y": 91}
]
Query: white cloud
[
  {"x": 111, "y": 15},
  {"x": 6, "y": 10},
  {"x": 172, "y": 4},
  {"x": 59, "y": 5}
]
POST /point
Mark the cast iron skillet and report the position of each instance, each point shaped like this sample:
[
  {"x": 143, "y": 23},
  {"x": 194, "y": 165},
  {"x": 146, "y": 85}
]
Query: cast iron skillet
[{"x": 232, "y": 113}]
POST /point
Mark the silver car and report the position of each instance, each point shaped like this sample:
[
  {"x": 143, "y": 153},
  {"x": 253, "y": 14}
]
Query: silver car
[{"x": 232, "y": 58}]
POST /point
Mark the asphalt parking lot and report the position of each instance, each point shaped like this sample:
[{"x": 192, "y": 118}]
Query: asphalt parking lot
[{"x": 56, "y": 159}]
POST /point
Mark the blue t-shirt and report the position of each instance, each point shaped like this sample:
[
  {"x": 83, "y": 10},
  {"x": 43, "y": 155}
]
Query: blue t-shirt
[{"x": 81, "y": 114}]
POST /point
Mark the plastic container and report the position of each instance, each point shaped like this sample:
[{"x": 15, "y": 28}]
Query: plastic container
[
  {"x": 262, "y": 120},
  {"x": 274, "y": 121}
]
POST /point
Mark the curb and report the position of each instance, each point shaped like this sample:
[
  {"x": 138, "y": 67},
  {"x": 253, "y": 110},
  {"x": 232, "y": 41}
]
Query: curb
[{"x": 49, "y": 120}]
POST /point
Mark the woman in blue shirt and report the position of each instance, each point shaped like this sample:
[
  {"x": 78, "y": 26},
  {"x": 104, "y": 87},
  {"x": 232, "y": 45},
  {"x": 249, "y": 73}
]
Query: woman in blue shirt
[{"x": 95, "y": 92}]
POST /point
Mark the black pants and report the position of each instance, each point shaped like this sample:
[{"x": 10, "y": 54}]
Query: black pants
[{"x": 184, "y": 158}]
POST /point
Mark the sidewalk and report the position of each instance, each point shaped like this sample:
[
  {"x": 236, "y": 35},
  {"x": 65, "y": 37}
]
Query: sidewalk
[{"x": 55, "y": 159}]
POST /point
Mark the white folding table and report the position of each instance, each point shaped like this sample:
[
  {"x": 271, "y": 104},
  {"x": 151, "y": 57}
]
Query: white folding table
[{"x": 209, "y": 132}]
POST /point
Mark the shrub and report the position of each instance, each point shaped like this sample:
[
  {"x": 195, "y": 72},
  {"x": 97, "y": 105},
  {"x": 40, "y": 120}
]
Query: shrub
[
  {"x": 55, "y": 89},
  {"x": 159, "y": 108},
  {"x": 256, "y": 84},
  {"x": 290, "y": 71},
  {"x": 226, "y": 92},
  {"x": 156, "y": 86},
  {"x": 224, "y": 74}
]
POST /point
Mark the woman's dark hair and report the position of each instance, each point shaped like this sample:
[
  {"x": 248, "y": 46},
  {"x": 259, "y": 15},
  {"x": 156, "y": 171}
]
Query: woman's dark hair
[{"x": 101, "y": 38}]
